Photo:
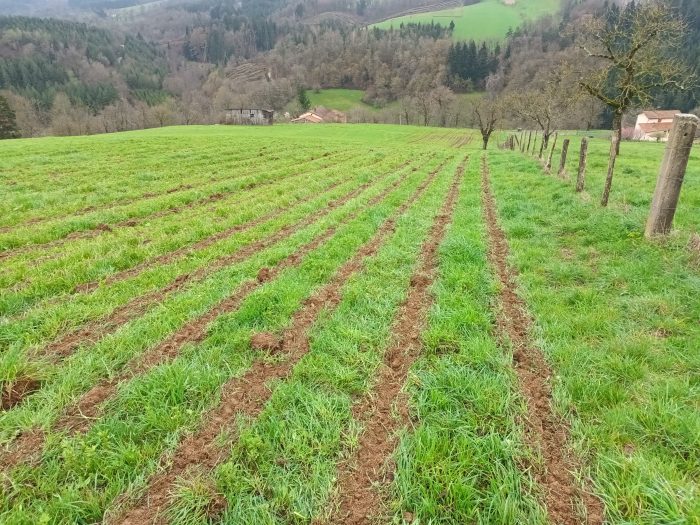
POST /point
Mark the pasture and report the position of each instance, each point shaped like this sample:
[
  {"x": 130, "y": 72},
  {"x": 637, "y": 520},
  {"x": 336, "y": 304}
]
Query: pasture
[
  {"x": 487, "y": 20},
  {"x": 338, "y": 324},
  {"x": 341, "y": 99}
]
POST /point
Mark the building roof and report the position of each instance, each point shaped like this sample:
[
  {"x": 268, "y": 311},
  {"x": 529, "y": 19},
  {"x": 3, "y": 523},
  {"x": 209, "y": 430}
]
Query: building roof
[
  {"x": 309, "y": 116},
  {"x": 326, "y": 113},
  {"x": 321, "y": 114},
  {"x": 251, "y": 109},
  {"x": 662, "y": 113},
  {"x": 656, "y": 127}
]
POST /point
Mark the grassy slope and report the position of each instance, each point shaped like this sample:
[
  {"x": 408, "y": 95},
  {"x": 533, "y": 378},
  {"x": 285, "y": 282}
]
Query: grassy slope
[
  {"x": 616, "y": 316},
  {"x": 487, "y": 20},
  {"x": 618, "y": 320},
  {"x": 341, "y": 99},
  {"x": 348, "y": 99}
]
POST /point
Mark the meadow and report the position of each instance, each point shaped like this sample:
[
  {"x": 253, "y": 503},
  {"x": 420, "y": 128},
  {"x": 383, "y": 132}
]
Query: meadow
[
  {"x": 487, "y": 20},
  {"x": 342, "y": 324},
  {"x": 349, "y": 99}
]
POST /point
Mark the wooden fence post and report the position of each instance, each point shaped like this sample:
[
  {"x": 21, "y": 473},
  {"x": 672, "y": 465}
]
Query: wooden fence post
[
  {"x": 673, "y": 166},
  {"x": 529, "y": 141},
  {"x": 582, "y": 162},
  {"x": 548, "y": 166},
  {"x": 562, "y": 162},
  {"x": 522, "y": 142},
  {"x": 534, "y": 145}
]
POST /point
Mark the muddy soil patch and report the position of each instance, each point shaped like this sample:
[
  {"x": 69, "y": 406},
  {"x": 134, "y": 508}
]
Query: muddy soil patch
[{"x": 13, "y": 392}]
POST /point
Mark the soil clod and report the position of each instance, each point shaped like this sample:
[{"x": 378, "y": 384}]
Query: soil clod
[
  {"x": 264, "y": 275},
  {"x": 266, "y": 342},
  {"x": 14, "y": 392}
]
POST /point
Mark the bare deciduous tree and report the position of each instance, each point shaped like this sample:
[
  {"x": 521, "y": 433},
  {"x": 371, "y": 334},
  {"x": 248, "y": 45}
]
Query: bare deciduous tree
[
  {"x": 546, "y": 104},
  {"x": 488, "y": 112},
  {"x": 634, "y": 54}
]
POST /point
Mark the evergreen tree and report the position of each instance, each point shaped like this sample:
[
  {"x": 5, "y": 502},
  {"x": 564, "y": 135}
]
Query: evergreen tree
[
  {"x": 8, "y": 124},
  {"x": 303, "y": 98}
]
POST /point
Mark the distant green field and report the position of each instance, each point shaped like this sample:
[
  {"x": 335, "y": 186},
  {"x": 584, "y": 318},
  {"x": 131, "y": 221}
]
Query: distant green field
[
  {"x": 487, "y": 20},
  {"x": 342, "y": 99},
  {"x": 347, "y": 99}
]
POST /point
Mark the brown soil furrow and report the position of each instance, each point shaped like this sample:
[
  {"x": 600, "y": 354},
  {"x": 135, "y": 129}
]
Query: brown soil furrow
[
  {"x": 124, "y": 202},
  {"x": 78, "y": 418},
  {"x": 102, "y": 228},
  {"x": 97, "y": 329},
  {"x": 248, "y": 394},
  {"x": 544, "y": 430},
  {"x": 360, "y": 501},
  {"x": 202, "y": 244}
]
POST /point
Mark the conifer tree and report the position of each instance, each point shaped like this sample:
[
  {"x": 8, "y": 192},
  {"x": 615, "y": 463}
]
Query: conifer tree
[
  {"x": 303, "y": 99},
  {"x": 8, "y": 124}
]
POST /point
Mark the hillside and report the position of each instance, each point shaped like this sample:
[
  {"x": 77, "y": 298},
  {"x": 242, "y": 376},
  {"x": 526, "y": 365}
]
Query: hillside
[
  {"x": 326, "y": 324},
  {"x": 94, "y": 67},
  {"x": 182, "y": 62},
  {"x": 485, "y": 20}
]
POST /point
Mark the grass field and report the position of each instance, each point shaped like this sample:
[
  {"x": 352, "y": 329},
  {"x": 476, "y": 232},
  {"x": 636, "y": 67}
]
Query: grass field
[
  {"x": 341, "y": 99},
  {"x": 487, "y": 20},
  {"x": 348, "y": 99},
  {"x": 339, "y": 324}
]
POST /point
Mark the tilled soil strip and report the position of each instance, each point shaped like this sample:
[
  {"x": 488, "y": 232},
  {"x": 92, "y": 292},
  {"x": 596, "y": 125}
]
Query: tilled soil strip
[
  {"x": 248, "y": 395},
  {"x": 100, "y": 229},
  {"x": 64, "y": 346},
  {"x": 360, "y": 501},
  {"x": 212, "y": 239},
  {"x": 97, "y": 329},
  {"x": 544, "y": 430},
  {"x": 124, "y": 202},
  {"x": 79, "y": 417}
]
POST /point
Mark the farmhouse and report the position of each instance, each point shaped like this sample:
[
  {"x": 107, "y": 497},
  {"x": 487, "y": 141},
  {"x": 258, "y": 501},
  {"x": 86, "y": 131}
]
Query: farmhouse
[
  {"x": 654, "y": 125},
  {"x": 250, "y": 116},
  {"x": 322, "y": 115}
]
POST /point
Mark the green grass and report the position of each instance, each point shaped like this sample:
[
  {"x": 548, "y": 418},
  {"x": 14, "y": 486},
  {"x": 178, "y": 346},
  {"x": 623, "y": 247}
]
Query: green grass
[
  {"x": 487, "y": 20},
  {"x": 615, "y": 315},
  {"x": 340, "y": 99},
  {"x": 618, "y": 321}
]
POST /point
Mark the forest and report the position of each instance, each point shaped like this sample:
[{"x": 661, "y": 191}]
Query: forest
[{"x": 108, "y": 73}]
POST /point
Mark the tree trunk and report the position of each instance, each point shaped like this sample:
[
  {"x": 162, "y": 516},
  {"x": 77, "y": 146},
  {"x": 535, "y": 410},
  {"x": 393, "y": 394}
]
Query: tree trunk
[
  {"x": 485, "y": 137},
  {"x": 617, "y": 130},
  {"x": 614, "y": 146},
  {"x": 545, "y": 142}
]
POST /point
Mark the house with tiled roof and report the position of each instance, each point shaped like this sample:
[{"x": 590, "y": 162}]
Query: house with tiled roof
[
  {"x": 654, "y": 125},
  {"x": 321, "y": 115}
]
